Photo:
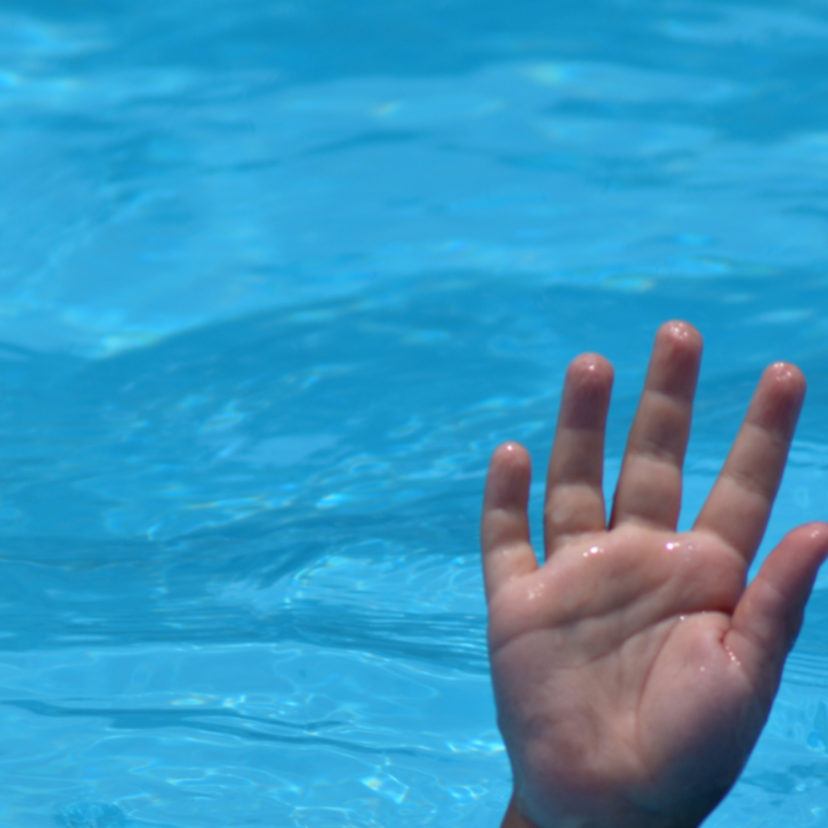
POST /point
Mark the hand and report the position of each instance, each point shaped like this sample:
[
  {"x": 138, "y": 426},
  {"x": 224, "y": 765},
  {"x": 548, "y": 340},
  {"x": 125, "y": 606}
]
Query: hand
[{"x": 633, "y": 670}]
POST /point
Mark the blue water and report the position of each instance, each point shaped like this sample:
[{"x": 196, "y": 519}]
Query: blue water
[{"x": 274, "y": 280}]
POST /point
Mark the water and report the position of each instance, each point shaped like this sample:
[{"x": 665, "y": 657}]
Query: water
[{"x": 275, "y": 279}]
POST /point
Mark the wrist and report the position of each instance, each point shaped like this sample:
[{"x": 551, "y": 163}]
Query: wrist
[{"x": 515, "y": 819}]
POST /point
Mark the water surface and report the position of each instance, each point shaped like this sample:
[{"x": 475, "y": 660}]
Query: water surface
[{"x": 275, "y": 280}]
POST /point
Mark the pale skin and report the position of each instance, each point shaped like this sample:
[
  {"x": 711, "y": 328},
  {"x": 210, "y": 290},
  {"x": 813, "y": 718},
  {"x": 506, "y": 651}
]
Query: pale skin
[{"x": 633, "y": 669}]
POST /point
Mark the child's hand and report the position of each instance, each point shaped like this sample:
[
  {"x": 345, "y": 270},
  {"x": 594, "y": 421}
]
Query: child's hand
[{"x": 633, "y": 670}]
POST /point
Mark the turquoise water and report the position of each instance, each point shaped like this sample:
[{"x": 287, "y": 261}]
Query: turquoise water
[{"x": 275, "y": 279}]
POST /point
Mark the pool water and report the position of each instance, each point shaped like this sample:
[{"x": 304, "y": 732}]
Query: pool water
[{"x": 275, "y": 280}]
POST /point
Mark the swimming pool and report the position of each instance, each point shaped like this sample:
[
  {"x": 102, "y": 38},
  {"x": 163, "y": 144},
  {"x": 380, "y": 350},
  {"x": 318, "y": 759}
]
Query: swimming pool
[{"x": 276, "y": 278}]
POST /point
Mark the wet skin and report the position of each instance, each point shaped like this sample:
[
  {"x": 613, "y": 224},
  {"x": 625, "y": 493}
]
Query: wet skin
[{"x": 633, "y": 670}]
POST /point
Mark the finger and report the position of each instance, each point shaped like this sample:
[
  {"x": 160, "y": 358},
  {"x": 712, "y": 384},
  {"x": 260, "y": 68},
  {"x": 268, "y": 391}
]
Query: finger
[
  {"x": 507, "y": 550},
  {"x": 768, "y": 617},
  {"x": 574, "y": 494},
  {"x": 649, "y": 487},
  {"x": 740, "y": 502}
]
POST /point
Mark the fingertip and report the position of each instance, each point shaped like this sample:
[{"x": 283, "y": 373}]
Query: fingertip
[
  {"x": 674, "y": 366},
  {"x": 681, "y": 344},
  {"x": 815, "y": 529},
  {"x": 505, "y": 542},
  {"x": 793, "y": 565},
  {"x": 814, "y": 536},
  {"x": 818, "y": 530},
  {"x": 786, "y": 377},
  {"x": 587, "y": 393},
  {"x": 590, "y": 367},
  {"x": 779, "y": 398},
  {"x": 783, "y": 370},
  {"x": 681, "y": 334},
  {"x": 511, "y": 456},
  {"x": 510, "y": 473}
]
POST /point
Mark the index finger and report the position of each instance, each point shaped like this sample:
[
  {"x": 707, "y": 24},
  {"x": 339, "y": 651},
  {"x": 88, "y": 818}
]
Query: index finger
[{"x": 738, "y": 507}]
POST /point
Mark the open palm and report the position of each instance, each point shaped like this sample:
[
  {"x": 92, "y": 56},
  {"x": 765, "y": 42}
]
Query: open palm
[{"x": 633, "y": 670}]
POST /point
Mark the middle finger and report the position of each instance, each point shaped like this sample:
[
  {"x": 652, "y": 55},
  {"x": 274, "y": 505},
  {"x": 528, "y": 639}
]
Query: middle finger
[{"x": 649, "y": 487}]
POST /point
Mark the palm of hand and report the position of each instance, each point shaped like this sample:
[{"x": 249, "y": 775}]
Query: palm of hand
[
  {"x": 620, "y": 639},
  {"x": 632, "y": 670}
]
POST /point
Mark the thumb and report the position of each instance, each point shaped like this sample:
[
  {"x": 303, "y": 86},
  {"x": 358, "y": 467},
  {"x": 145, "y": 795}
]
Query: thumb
[{"x": 769, "y": 614}]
